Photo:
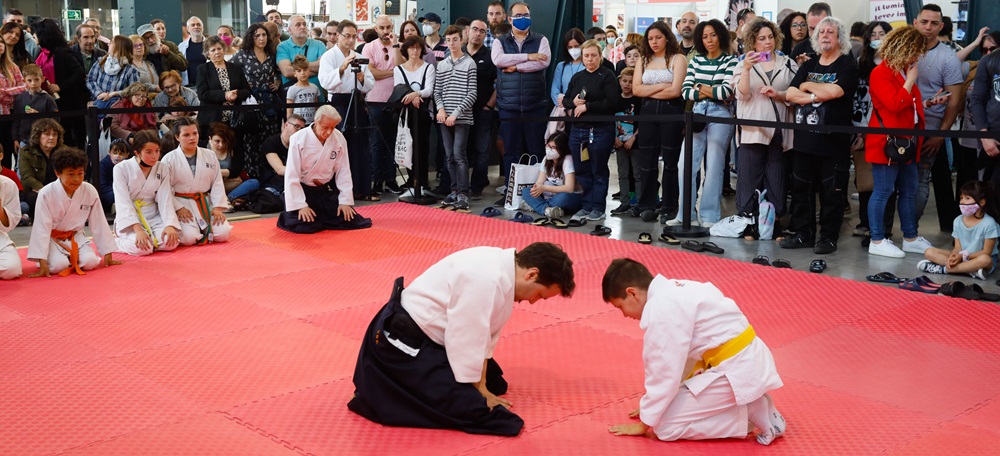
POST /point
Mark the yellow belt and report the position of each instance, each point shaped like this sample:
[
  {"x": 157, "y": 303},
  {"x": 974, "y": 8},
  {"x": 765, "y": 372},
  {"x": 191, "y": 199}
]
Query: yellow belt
[
  {"x": 717, "y": 355},
  {"x": 145, "y": 224}
]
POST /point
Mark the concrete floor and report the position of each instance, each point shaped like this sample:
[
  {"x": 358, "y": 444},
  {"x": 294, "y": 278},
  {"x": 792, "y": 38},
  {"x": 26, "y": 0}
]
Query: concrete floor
[{"x": 850, "y": 261}]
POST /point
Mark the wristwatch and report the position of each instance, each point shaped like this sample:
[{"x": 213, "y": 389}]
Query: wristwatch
[{"x": 812, "y": 97}]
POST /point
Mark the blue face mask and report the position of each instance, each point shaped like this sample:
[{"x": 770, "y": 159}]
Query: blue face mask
[
  {"x": 876, "y": 43},
  {"x": 521, "y": 23}
]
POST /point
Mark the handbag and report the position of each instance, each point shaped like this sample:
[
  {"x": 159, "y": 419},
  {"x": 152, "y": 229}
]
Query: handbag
[
  {"x": 404, "y": 143},
  {"x": 245, "y": 119},
  {"x": 521, "y": 176},
  {"x": 554, "y": 126},
  {"x": 898, "y": 150}
]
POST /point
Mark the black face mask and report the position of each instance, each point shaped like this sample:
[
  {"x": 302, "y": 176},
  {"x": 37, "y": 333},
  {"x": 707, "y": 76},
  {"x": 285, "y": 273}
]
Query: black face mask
[{"x": 144, "y": 165}]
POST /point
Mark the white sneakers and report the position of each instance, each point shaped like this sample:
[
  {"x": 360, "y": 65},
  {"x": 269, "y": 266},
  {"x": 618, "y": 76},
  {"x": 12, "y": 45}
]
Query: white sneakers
[
  {"x": 918, "y": 245},
  {"x": 885, "y": 248}
]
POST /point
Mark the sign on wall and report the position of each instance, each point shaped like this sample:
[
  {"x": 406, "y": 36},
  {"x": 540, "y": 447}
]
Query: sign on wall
[{"x": 891, "y": 11}]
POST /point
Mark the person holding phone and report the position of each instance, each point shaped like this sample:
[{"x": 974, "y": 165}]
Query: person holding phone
[{"x": 760, "y": 82}]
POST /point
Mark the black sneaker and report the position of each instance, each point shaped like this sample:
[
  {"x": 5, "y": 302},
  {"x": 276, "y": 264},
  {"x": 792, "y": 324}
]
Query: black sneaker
[
  {"x": 476, "y": 196},
  {"x": 634, "y": 211},
  {"x": 824, "y": 246},
  {"x": 668, "y": 215},
  {"x": 615, "y": 195},
  {"x": 393, "y": 187},
  {"x": 621, "y": 209},
  {"x": 500, "y": 202},
  {"x": 796, "y": 242},
  {"x": 648, "y": 215}
]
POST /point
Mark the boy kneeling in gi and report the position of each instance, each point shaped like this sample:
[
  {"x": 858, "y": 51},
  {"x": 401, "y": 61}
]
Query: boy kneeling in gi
[{"x": 707, "y": 374}]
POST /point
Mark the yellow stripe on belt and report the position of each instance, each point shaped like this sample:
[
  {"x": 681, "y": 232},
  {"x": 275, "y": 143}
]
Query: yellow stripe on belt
[{"x": 717, "y": 355}]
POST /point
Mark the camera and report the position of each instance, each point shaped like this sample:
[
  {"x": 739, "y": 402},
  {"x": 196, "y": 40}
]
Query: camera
[{"x": 359, "y": 61}]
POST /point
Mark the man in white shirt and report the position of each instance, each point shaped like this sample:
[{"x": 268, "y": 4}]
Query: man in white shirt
[
  {"x": 707, "y": 373},
  {"x": 342, "y": 72},
  {"x": 318, "y": 189},
  {"x": 426, "y": 358}
]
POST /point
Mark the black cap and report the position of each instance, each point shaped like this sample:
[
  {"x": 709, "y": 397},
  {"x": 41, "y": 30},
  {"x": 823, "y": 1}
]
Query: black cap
[{"x": 433, "y": 17}]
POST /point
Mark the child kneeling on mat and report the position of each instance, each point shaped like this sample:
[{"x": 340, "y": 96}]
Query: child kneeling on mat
[
  {"x": 975, "y": 233},
  {"x": 707, "y": 374},
  {"x": 556, "y": 192}
]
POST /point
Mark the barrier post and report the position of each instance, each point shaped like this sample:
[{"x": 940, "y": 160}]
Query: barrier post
[
  {"x": 417, "y": 197},
  {"x": 687, "y": 199},
  {"x": 93, "y": 141}
]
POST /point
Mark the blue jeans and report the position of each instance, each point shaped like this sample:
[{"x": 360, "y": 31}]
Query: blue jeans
[
  {"x": 244, "y": 189},
  {"x": 521, "y": 137},
  {"x": 709, "y": 145},
  {"x": 593, "y": 175},
  {"x": 455, "y": 140},
  {"x": 568, "y": 201},
  {"x": 889, "y": 178}
]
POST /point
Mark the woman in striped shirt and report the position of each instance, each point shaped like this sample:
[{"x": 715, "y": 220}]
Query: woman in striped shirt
[{"x": 708, "y": 84}]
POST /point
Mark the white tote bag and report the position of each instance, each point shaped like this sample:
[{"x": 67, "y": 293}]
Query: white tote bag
[
  {"x": 521, "y": 176},
  {"x": 404, "y": 143}
]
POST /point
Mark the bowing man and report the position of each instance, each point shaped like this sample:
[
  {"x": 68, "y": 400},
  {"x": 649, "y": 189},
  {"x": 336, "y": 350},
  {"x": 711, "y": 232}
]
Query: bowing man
[
  {"x": 318, "y": 189},
  {"x": 145, "y": 219},
  {"x": 427, "y": 357},
  {"x": 196, "y": 183}
]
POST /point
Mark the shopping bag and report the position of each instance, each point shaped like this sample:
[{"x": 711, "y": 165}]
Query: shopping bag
[
  {"x": 522, "y": 175},
  {"x": 404, "y": 143}
]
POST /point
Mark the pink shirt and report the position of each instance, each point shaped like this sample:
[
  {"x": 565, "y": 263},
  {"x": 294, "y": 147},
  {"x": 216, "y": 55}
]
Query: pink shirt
[{"x": 376, "y": 52}]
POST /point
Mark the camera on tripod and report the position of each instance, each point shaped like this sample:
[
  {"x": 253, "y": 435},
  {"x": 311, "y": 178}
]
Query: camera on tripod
[{"x": 359, "y": 61}]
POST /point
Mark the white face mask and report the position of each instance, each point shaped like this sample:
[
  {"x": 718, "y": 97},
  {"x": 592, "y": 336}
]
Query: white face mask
[
  {"x": 551, "y": 154},
  {"x": 428, "y": 30},
  {"x": 575, "y": 53}
]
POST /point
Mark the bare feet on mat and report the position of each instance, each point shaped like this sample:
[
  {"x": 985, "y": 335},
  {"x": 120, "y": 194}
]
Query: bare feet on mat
[{"x": 767, "y": 419}]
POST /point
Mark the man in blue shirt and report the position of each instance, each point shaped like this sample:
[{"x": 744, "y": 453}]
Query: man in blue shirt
[{"x": 299, "y": 44}]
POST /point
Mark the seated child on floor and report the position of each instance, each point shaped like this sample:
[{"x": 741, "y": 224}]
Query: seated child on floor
[
  {"x": 10, "y": 215},
  {"x": 975, "y": 233},
  {"x": 58, "y": 242},
  {"x": 556, "y": 192},
  {"x": 10, "y": 174},
  {"x": 145, "y": 219},
  {"x": 119, "y": 151},
  {"x": 707, "y": 374}
]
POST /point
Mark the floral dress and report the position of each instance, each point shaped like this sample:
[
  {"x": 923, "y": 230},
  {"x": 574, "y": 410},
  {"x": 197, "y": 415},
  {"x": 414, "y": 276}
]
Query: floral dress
[{"x": 259, "y": 75}]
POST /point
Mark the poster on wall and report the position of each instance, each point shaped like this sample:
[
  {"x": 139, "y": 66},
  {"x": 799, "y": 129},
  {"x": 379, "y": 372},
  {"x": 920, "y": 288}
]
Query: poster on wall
[
  {"x": 392, "y": 7},
  {"x": 361, "y": 13},
  {"x": 735, "y": 6},
  {"x": 643, "y": 23},
  {"x": 891, "y": 11},
  {"x": 621, "y": 22}
]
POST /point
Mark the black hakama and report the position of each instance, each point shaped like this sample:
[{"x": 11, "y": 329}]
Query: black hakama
[
  {"x": 324, "y": 201},
  {"x": 396, "y": 389}
]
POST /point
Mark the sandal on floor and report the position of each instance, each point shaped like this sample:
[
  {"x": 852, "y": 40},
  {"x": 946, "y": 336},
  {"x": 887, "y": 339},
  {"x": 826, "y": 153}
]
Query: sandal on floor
[
  {"x": 964, "y": 291},
  {"x": 983, "y": 295},
  {"x": 693, "y": 246},
  {"x": 886, "y": 277},
  {"x": 781, "y": 264},
  {"x": 712, "y": 248},
  {"x": 520, "y": 217},
  {"x": 445, "y": 206},
  {"x": 491, "y": 212},
  {"x": 926, "y": 281},
  {"x": 817, "y": 266},
  {"x": 558, "y": 223},
  {"x": 370, "y": 198},
  {"x": 669, "y": 240},
  {"x": 600, "y": 230},
  {"x": 915, "y": 286},
  {"x": 541, "y": 221},
  {"x": 762, "y": 260},
  {"x": 576, "y": 222},
  {"x": 645, "y": 238}
]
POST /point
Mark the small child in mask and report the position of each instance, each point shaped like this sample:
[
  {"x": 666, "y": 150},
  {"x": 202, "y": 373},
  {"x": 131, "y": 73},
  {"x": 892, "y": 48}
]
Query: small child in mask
[
  {"x": 975, "y": 232},
  {"x": 118, "y": 153},
  {"x": 556, "y": 191}
]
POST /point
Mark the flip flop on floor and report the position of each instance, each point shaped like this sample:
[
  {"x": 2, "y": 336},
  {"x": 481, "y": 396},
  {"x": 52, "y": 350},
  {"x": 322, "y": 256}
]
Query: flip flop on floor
[
  {"x": 762, "y": 260},
  {"x": 991, "y": 297},
  {"x": 558, "y": 223},
  {"x": 926, "y": 281},
  {"x": 520, "y": 217},
  {"x": 645, "y": 238},
  {"x": 781, "y": 264},
  {"x": 694, "y": 246},
  {"x": 445, "y": 206},
  {"x": 886, "y": 277},
  {"x": 669, "y": 240},
  {"x": 712, "y": 248},
  {"x": 576, "y": 222},
  {"x": 915, "y": 286},
  {"x": 491, "y": 212},
  {"x": 817, "y": 266},
  {"x": 600, "y": 230},
  {"x": 967, "y": 292},
  {"x": 541, "y": 221}
]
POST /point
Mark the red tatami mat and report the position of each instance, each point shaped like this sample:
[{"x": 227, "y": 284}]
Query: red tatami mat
[{"x": 248, "y": 348}]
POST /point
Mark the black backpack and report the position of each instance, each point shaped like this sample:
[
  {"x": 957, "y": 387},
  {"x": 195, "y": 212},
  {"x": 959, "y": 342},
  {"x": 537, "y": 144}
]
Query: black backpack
[{"x": 264, "y": 201}]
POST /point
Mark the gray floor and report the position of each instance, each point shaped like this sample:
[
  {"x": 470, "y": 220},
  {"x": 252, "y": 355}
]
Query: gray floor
[{"x": 850, "y": 261}]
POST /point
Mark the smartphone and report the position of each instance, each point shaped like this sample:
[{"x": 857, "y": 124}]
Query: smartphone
[
  {"x": 583, "y": 93},
  {"x": 764, "y": 56},
  {"x": 944, "y": 94}
]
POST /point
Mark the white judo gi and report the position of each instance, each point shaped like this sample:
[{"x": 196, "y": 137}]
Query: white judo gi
[
  {"x": 310, "y": 160},
  {"x": 682, "y": 320},
  {"x": 146, "y": 200},
  {"x": 205, "y": 179},
  {"x": 10, "y": 261},
  {"x": 55, "y": 210},
  {"x": 462, "y": 303}
]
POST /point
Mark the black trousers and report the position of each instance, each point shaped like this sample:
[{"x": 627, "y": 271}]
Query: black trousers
[
  {"x": 396, "y": 389},
  {"x": 762, "y": 166},
  {"x": 830, "y": 176},
  {"x": 356, "y": 127},
  {"x": 324, "y": 202},
  {"x": 659, "y": 139}
]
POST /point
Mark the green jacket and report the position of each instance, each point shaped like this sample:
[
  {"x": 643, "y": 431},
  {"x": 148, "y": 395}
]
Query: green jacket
[{"x": 31, "y": 164}]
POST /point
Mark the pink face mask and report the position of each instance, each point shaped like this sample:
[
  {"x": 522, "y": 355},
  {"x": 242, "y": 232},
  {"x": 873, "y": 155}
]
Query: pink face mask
[{"x": 227, "y": 39}]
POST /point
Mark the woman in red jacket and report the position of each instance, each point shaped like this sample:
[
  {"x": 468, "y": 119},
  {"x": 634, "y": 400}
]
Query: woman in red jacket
[
  {"x": 126, "y": 125},
  {"x": 896, "y": 99}
]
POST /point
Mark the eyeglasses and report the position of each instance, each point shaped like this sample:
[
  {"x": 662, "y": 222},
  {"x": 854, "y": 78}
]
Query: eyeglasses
[
  {"x": 799, "y": 25},
  {"x": 987, "y": 50},
  {"x": 297, "y": 126},
  {"x": 171, "y": 87},
  {"x": 137, "y": 46},
  {"x": 349, "y": 37},
  {"x": 477, "y": 30},
  {"x": 522, "y": 16}
]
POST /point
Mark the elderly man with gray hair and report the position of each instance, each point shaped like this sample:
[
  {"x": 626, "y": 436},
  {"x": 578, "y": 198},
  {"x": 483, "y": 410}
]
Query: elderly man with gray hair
[
  {"x": 824, "y": 89},
  {"x": 319, "y": 192}
]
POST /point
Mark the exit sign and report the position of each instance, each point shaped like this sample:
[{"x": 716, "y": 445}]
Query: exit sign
[{"x": 74, "y": 15}]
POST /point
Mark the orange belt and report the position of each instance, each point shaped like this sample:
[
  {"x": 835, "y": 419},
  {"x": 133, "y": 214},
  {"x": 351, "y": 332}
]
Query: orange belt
[
  {"x": 74, "y": 251},
  {"x": 205, "y": 209}
]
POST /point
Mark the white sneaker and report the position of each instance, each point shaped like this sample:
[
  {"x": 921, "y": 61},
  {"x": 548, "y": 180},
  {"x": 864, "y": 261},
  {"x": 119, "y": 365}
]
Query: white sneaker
[
  {"x": 525, "y": 206},
  {"x": 930, "y": 267},
  {"x": 553, "y": 212},
  {"x": 679, "y": 222},
  {"x": 918, "y": 245},
  {"x": 980, "y": 274},
  {"x": 502, "y": 190},
  {"x": 885, "y": 248}
]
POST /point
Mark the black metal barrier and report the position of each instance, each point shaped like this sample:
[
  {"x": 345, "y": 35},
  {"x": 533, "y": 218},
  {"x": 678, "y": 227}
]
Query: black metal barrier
[{"x": 93, "y": 114}]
